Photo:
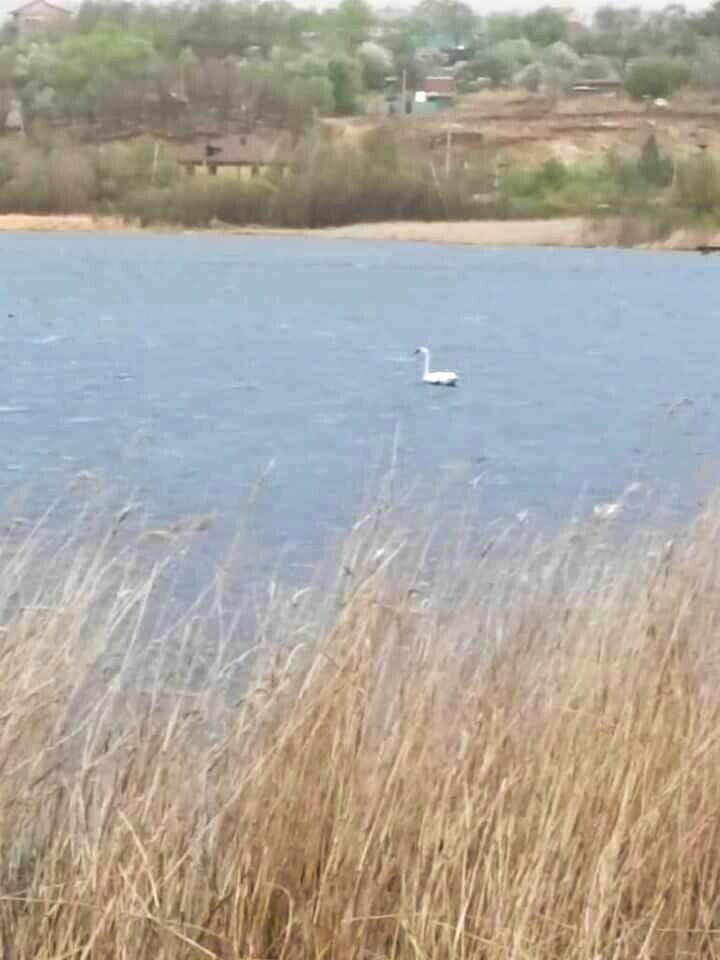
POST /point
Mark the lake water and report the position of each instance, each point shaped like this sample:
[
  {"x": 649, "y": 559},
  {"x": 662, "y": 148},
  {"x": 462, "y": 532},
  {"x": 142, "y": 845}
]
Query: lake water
[{"x": 182, "y": 365}]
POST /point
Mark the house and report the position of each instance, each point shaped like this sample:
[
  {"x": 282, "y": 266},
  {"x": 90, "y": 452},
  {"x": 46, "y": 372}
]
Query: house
[
  {"x": 434, "y": 92},
  {"x": 239, "y": 154},
  {"x": 38, "y": 16}
]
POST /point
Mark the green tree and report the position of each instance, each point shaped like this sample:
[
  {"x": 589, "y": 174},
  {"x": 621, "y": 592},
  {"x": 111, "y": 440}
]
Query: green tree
[
  {"x": 708, "y": 22},
  {"x": 561, "y": 56},
  {"x": 103, "y": 73},
  {"x": 343, "y": 75},
  {"x": 218, "y": 29},
  {"x": 503, "y": 26},
  {"x": 403, "y": 39},
  {"x": 497, "y": 64},
  {"x": 705, "y": 71},
  {"x": 653, "y": 166},
  {"x": 353, "y": 20},
  {"x": 614, "y": 32},
  {"x": 656, "y": 76},
  {"x": 451, "y": 19},
  {"x": 377, "y": 64},
  {"x": 519, "y": 52},
  {"x": 545, "y": 26}
]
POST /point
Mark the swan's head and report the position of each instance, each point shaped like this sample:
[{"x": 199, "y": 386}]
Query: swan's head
[{"x": 422, "y": 350}]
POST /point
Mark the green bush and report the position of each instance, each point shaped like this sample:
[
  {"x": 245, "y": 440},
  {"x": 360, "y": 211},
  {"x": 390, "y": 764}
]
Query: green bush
[
  {"x": 656, "y": 76},
  {"x": 697, "y": 185},
  {"x": 122, "y": 169},
  {"x": 344, "y": 76},
  {"x": 332, "y": 187},
  {"x": 653, "y": 166}
]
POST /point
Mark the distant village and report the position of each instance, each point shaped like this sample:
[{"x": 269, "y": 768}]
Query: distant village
[{"x": 230, "y": 106}]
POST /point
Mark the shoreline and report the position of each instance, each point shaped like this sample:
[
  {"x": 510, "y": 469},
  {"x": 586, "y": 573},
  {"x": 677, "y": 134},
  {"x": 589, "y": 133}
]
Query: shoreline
[{"x": 570, "y": 232}]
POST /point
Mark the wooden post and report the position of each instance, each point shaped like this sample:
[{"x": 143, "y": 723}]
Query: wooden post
[
  {"x": 156, "y": 154},
  {"x": 499, "y": 165},
  {"x": 448, "y": 149},
  {"x": 315, "y": 138}
]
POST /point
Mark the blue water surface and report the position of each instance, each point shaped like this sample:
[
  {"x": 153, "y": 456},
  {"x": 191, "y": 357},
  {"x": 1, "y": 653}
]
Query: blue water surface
[{"x": 182, "y": 365}]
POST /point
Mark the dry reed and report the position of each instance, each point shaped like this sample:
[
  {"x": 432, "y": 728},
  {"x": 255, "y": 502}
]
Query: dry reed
[{"x": 507, "y": 752}]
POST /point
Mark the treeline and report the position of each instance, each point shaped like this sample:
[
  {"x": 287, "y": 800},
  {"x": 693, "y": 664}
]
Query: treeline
[
  {"x": 329, "y": 186},
  {"x": 116, "y": 65}
]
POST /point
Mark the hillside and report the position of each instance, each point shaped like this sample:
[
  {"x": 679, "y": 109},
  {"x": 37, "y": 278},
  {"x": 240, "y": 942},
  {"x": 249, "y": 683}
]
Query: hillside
[{"x": 528, "y": 130}]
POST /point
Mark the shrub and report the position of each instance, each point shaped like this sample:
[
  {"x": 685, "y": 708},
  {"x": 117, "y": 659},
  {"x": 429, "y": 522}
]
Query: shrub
[
  {"x": 697, "y": 185},
  {"x": 656, "y": 76},
  {"x": 653, "y": 166},
  {"x": 343, "y": 74}
]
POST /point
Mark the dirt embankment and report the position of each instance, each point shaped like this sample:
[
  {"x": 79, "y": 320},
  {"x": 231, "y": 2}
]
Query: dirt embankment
[{"x": 528, "y": 130}]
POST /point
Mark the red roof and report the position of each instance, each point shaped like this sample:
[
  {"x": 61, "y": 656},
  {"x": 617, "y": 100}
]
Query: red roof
[{"x": 442, "y": 86}]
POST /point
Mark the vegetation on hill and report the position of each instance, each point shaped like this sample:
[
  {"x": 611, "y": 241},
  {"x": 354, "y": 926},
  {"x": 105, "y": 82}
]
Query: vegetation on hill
[
  {"x": 177, "y": 65},
  {"x": 329, "y": 186},
  {"x": 237, "y": 66}
]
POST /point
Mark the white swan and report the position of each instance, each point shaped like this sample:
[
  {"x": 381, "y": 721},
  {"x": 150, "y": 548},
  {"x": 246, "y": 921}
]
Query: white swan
[{"x": 439, "y": 378}]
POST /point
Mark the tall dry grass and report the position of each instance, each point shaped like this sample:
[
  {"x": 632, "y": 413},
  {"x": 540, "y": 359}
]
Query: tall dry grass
[{"x": 455, "y": 751}]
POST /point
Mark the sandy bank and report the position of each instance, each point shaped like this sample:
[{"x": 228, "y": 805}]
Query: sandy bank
[{"x": 565, "y": 232}]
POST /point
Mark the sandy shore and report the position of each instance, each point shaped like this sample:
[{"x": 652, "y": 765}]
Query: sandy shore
[
  {"x": 566, "y": 232},
  {"x": 483, "y": 233}
]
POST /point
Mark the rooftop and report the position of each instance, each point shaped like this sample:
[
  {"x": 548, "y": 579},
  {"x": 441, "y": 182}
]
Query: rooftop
[
  {"x": 239, "y": 149},
  {"x": 40, "y": 3}
]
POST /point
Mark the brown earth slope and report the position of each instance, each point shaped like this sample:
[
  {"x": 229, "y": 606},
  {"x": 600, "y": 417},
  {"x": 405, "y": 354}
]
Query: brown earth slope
[{"x": 531, "y": 129}]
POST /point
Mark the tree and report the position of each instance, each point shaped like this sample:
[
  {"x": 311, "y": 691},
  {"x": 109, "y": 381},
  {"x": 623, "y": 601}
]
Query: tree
[
  {"x": 495, "y": 64},
  {"x": 545, "y": 26},
  {"x": 561, "y": 56},
  {"x": 614, "y": 32},
  {"x": 504, "y": 26},
  {"x": 705, "y": 73},
  {"x": 353, "y": 19},
  {"x": 218, "y": 29},
  {"x": 519, "y": 52},
  {"x": 377, "y": 63},
  {"x": 708, "y": 23},
  {"x": 427, "y": 59},
  {"x": 304, "y": 97},
  {"x": 453, "y": 20},
  {"x": 653, "y": 166},
  {"x": 343, "y": 75},
  {"x": 403, "y": 38},
  {"x": 100, "y": 74},
  {"x": 656, "y": 76}
]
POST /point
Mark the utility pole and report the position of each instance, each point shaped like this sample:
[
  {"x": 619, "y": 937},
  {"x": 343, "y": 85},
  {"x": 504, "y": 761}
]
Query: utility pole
[
  {"x": 448, "y": 150},
  {"x": 500, "y": 165},
  {"x": 403, "y": 91},
  {"x": 156, "y": 155}
]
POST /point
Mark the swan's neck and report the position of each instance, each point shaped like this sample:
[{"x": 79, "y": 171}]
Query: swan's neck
[{"x": 426, "y": 355}]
